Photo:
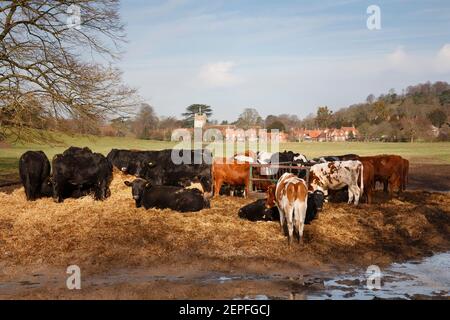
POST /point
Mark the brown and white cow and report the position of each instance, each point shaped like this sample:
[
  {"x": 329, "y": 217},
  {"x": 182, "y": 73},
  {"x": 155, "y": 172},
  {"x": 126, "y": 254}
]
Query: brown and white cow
[
  {"x": 290, "y": 195},
  {"x": 336, "y": 175}
]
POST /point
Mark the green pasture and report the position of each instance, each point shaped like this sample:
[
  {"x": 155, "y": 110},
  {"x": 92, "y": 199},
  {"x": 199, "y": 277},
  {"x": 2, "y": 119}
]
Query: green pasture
[{"x": 417, "y": 152}]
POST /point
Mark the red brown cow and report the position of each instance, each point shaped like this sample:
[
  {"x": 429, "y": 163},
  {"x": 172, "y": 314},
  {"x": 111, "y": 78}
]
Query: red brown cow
[
  {"x": 233, "y": 174},
  {"x": 388, "y": 169},
  {"x": 369, "y": 180}
]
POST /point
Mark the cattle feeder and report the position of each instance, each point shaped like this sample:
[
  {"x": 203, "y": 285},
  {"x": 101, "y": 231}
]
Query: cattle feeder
[{"x": 281, "y": 168}]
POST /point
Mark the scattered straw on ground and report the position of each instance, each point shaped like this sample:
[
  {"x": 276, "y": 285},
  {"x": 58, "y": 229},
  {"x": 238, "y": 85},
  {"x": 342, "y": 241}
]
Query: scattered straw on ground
[{"x": 114, "y": 233}]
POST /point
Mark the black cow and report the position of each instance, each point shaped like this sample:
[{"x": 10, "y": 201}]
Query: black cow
[
  {"x": 325, "y": 159},
  {"x": 133, "y": 161},
  {"x": 315, "y": 204},
  {"x": 79, "y": 172},
  {"x": 166, "y": 197},
  {"x": 257, "y": 210},
  {"x": 77, "y": 151},
  {"x": 284, "y": 157},
  {"x": 163, "y": 171},
  {"x": 34, "y": 171},
  {"x": 163, "y": 167}
]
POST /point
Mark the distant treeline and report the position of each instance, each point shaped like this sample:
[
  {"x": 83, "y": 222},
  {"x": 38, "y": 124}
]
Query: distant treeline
[{"x": 420, "y": 112}]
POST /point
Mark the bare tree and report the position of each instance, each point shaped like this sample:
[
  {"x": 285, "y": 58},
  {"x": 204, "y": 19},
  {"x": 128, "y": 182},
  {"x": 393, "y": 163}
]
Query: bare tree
[
  {"x": 43, "y": 56},
  {"x": 249, "y": 118},
  {"x": 145, "y": 122}
]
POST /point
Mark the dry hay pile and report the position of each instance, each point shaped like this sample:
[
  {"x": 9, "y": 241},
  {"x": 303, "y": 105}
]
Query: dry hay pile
[{"x": 114, "y": 233}]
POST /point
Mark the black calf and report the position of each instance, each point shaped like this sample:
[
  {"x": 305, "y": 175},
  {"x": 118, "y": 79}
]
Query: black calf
[{"x": 166, "y": 197}]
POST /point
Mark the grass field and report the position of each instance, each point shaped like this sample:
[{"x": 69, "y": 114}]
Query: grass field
[{"x": 436, "y": 153}]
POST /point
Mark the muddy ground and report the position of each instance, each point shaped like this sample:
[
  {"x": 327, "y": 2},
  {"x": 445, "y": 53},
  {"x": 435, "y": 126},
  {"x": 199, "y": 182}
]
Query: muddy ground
[{"x": 164, "y": 252}]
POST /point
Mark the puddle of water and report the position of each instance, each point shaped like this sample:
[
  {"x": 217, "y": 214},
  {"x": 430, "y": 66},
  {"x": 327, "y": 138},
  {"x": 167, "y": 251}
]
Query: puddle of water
[
  {"x": 418, "y": 279},
  {"x": 429, "y": 278}
]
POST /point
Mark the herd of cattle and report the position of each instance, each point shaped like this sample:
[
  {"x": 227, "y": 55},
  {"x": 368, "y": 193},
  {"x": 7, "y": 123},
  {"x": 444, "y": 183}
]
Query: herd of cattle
[{"x": 185, "y": 187}]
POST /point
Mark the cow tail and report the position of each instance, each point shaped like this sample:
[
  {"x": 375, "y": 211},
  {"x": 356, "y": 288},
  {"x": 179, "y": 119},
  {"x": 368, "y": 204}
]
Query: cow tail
[
  {"x": 28, "y": 191},
  {"x": 362, "y": 179}
]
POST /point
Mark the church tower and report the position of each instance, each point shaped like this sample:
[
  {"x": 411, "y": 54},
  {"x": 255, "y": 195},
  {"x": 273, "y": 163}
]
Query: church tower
[{"x": 200, "y": 119}]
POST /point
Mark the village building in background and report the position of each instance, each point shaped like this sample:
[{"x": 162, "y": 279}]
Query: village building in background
[
  {"x": 231, "y": 133},
  {"x": 326, "y": 135}
]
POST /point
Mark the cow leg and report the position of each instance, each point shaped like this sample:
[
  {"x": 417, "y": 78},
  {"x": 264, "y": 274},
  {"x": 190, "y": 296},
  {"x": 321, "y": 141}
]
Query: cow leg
[
  {"x": 100, "y": 191},
  {"x": 29, "y": 192},
  {"x": 35, "y": 192},
  {"x": 390, "y": 184},
  {"x": 386, "y": 186},
  {"x": 350, "y": 195},
  {"x": 281, "y": 220},
  {"x": 357, "y": 195},
  {"x": 368, "y": 193},
  {"x": 290, "y": 223},
  {"x": 217, "y": 186},
  {"x": 299, "y": 217},
  {"x": 355, "y": 191}
]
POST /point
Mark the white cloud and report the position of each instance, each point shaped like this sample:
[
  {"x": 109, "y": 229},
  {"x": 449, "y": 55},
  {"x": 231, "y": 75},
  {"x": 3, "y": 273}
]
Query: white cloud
[
  {"x": 443, "y": 59},
  {"x": 398, "y": 58},
  {"x": 219, "y": 74},
  {"x": 402, "y": 61}
]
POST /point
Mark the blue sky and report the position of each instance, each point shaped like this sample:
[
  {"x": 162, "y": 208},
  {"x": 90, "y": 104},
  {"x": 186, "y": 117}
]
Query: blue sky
[{"x": 280, "y": 56}]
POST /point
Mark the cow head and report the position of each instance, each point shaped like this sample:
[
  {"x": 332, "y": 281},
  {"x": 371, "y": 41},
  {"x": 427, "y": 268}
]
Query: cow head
[
  {"x": 141, "y": 168},
  {"x": 317, "y": 198},
  {"x": 152, "y": 172},
  {"x": 270, "y": 202},
  {"x": 137, "y": 189},
  {"x": 47, "y": 187},
  {"x": 300, "y": 159}
]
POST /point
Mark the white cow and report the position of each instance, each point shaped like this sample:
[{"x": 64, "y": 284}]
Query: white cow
[
  {"x": 244, "y": 159},
  {"x": 336, "y": 175},
  {"x": 265, "y": 158},
  {"x": 247, "y": 157}
]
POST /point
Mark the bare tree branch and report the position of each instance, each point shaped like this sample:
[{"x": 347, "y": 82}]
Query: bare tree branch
[{"x": 43, "y": 60}]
